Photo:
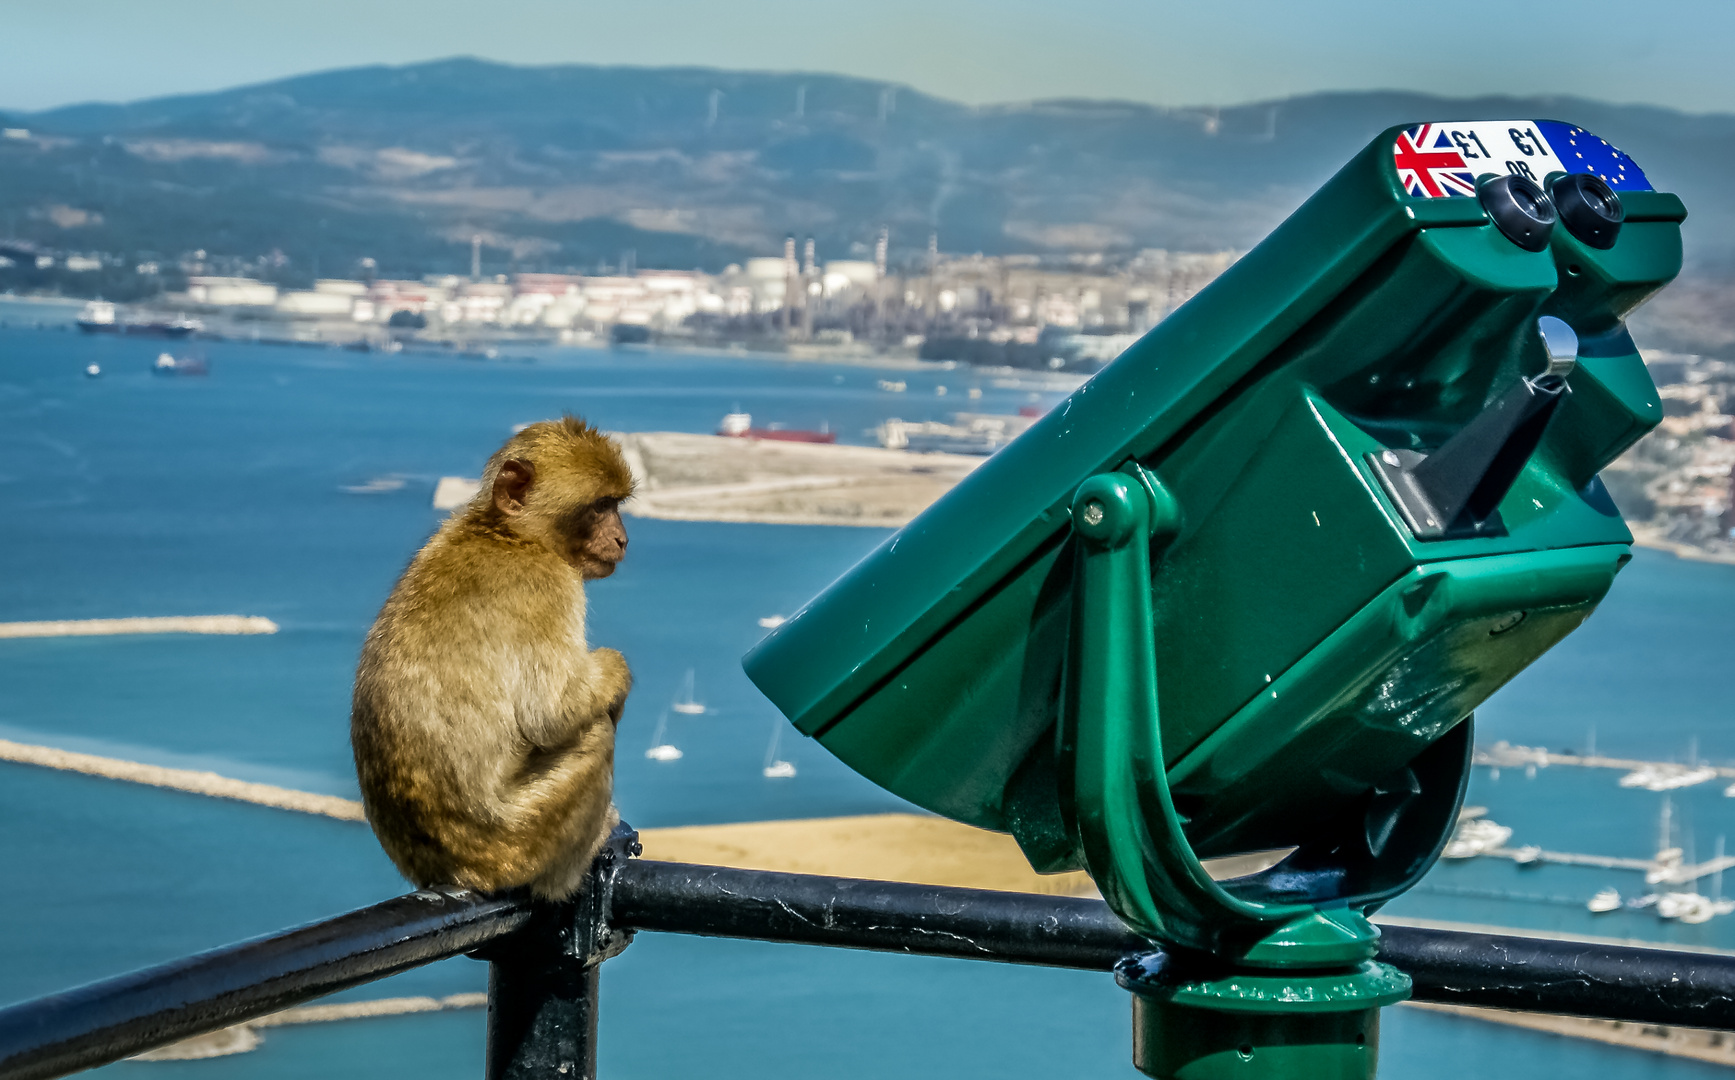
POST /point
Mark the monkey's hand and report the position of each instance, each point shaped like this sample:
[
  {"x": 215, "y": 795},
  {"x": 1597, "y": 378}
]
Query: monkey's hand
[{"x": 613, "y": 681}]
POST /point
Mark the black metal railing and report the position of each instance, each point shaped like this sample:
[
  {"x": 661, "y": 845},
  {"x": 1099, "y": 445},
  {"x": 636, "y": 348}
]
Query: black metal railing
[{"x": 544, "y": 959}]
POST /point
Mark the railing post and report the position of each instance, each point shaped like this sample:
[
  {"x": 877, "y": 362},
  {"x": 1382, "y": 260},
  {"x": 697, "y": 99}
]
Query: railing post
[{"x": 543, "y": 981}]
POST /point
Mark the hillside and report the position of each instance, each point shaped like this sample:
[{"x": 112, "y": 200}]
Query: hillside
[{"x": 568, "y": 166}]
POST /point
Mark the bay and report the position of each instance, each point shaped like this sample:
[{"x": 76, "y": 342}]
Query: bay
[{"x": 135, "y": 494}]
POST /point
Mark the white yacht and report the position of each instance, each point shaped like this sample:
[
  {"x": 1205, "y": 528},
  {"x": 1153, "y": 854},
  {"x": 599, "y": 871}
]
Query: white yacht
[
  {"x": 1476, "y": 836},
  {"x": 662, "y": 750},
  {"x": 1667, "y": 776},
  {"x": 775, "y": 767},
  {"x": 1690, "y": 907},
  {"x": 1606, "y": 900},
  {"x": 684, "y": 703}
]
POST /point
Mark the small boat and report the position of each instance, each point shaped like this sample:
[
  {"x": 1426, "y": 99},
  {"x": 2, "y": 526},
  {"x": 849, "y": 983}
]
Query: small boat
[
  {"x": 660, "y": 750},
  {"x": 1528, "y": 855},
  {"x": 98, "y": 318},
  {"x": 629, "y": 334},
  {"x": 892, "y": 387},
  {"x": 1691, "y": 907},
  {"x": 739, "y": 425},
  {"x": 168, "y": 365},
  {"x": 772, "y": 622},
  {"x": 92, "y": 371},
  {"x": 1606, "y": 900},
  {"x": 1476, "y": 836},
  {"x": 775, "y": 767},
  {"x": 1666, "y": 776},
  {"x": 684, "y": 703}
]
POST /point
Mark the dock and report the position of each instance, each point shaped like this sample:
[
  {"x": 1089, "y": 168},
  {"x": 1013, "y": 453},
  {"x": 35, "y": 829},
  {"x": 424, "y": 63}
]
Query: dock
[{"x": 1656, "y": 871}]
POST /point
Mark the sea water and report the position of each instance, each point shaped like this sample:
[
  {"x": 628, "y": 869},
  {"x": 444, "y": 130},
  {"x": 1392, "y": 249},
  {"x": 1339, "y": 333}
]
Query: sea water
[{"x": 295, "y": 483}]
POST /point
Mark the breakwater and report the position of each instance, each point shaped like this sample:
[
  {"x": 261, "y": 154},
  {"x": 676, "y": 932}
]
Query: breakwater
[
  {"x": 157, "y": 624},
  {"x": 195, "y": 781}
]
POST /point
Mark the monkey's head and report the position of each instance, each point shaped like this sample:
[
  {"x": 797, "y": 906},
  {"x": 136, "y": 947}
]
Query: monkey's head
[{"x": 561, "y": 483}]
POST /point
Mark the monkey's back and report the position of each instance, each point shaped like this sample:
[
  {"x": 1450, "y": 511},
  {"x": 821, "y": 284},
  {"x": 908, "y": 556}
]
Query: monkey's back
[{"x": 466, "y": 663}]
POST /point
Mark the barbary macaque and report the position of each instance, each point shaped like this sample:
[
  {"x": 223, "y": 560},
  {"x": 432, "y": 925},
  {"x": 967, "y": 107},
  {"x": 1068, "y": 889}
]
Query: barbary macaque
[{"x": 483, "y": 724}]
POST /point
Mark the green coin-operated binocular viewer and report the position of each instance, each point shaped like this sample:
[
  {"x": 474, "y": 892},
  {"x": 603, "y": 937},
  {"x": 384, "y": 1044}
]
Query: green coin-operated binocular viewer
[{"x": 1241, "y": 591}]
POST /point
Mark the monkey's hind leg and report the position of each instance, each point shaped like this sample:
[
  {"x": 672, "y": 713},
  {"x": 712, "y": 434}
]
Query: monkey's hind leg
[{"x": 565, "y": 876}]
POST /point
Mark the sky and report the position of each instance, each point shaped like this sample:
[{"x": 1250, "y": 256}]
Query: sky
[{"x": 1201, "y": 52}]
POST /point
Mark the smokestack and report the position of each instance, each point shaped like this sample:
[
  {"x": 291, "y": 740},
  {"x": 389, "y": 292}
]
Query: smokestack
[
  {"x": 790, "y": 272},
  {"x": 807, "y": 278},
  {"x": 880, "y": 245}
]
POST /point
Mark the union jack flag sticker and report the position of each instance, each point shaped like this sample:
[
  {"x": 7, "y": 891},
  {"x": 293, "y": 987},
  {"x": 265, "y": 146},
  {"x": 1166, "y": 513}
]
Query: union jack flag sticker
[{"x": 1429, "y": 165}]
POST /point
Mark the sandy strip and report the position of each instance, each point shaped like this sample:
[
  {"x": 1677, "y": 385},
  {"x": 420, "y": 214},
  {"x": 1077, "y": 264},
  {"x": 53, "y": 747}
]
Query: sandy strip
[
  {"x": 190, "y": 780},
  {"x": 885, "y": 847},
  {"x": 170, "y": 624}
]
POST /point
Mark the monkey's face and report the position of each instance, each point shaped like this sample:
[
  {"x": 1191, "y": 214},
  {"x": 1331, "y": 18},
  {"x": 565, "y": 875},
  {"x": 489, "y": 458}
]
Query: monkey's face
[
  {"x": 594, "y": 539},
  {"x": 589, "y": 535}
]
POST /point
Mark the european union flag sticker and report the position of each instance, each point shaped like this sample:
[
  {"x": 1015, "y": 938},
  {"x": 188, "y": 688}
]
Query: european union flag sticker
[{"x": 1582, "y": 152}]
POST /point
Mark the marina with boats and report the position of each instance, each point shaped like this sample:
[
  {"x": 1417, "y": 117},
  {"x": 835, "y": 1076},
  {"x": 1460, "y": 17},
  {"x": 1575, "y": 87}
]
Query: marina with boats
[{"x": 1479, "y": 836}]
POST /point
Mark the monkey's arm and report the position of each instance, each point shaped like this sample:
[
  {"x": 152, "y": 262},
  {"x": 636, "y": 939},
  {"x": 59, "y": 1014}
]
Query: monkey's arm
[{"x": 600, "y": 689}]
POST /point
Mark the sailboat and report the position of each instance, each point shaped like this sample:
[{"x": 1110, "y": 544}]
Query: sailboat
[
  {"x": 776, "y": 768},
  {"x": 660, "y": 750},
  {"x": 684, "y": 703}
]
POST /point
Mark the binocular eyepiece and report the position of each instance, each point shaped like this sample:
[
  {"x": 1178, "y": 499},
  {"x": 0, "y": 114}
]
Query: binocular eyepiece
[{"x": 1526, "y": 215}]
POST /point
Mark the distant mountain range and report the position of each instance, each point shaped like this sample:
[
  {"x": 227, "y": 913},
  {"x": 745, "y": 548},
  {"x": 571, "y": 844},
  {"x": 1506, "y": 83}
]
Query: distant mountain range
[{"x": 569, "y": 166}]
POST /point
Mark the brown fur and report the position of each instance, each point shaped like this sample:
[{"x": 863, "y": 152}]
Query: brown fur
[{"x": 483, "y": 725}]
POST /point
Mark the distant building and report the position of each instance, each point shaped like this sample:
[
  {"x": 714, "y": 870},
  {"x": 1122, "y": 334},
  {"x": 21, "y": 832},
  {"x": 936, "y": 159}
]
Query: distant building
[{"x": 231, "y": 292}]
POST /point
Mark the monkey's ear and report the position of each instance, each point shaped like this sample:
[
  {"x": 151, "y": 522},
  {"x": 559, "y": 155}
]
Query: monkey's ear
[{"x": 512, "y": 484}]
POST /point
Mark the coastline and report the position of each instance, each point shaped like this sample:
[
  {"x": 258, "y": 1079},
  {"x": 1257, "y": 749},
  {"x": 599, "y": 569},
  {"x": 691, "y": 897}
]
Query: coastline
[
  {"x": 891, "y": 358},
  {"x": 1682, "y": 551}
]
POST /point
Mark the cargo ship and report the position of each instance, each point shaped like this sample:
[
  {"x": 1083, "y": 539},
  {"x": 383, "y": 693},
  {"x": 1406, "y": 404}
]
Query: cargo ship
[
  {"x": 969, "y": 433},
  {"x": 739, "y": 425},
  {"x": 100, "y": 317}
]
